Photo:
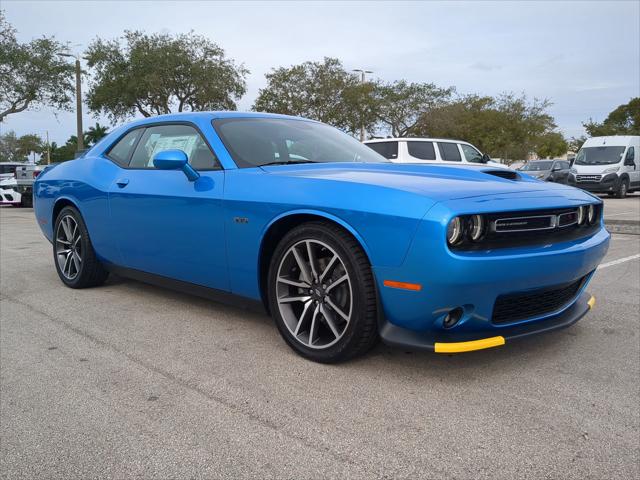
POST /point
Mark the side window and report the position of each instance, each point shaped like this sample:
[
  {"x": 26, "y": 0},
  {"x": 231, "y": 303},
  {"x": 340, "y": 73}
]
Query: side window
[
  {"x": 449, "y": 152},
  {"x": 422, "y": 150},
  {"x": 386, "y": 149},
  {"x": 121, "y": 151},
  {"x": 565, "y": 165},
  {"x": 471, "y": 154},
  {"x": 173, "y": 137},
  {"x": 630, "y": 154}
]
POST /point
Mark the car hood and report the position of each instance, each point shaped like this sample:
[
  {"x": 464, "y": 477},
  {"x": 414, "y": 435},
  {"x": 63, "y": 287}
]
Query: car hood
[{"x": 438, "y": 182}]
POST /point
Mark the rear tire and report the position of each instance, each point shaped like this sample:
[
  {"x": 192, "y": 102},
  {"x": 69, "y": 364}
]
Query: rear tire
[
  {"x": 73, "y": 254},
  {"x": 325, "y": 308}
]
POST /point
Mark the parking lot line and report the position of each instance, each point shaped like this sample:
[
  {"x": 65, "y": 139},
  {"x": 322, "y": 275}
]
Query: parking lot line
[{"x": 618, "y": 261}]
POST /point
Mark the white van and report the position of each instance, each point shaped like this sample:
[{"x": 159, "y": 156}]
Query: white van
[
  {"x": 429, "y": 150},
  {"x": 608, "y": 165}
]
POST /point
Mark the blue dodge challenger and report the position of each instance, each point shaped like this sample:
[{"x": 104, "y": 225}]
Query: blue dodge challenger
[{"x": 340, "y": 246}]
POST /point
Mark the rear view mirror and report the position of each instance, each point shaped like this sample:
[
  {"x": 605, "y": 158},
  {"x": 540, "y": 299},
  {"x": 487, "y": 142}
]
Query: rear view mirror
[{"x": 175, "y": 160}]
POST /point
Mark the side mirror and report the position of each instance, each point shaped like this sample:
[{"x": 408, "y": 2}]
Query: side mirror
[
  {"x": 175, "y": 160},
  {"x": 628, "y": 162},
  {"x": 556, "y": 168},
  {"x": 485, "y": 158}
]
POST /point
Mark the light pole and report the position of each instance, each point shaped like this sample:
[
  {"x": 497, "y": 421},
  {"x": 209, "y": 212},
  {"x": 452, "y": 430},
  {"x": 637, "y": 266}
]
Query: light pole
[
  {"x": 362, "y": 80},
  {"x": 79, "y": 133}
]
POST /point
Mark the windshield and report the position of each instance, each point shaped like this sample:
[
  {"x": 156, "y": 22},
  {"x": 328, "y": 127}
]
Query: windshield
[
  {"x": 599, "y": 155},
  {"x": 537, "y": 166},
  {"x": 255, "y": 142}
]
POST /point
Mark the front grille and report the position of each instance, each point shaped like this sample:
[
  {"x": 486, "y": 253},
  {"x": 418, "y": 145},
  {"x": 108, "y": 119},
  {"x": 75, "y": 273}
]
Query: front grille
[
  {"x": 519, "y": 306},
  {"x": 534, "y": 227},
  {"x": 588, "y": 178}
]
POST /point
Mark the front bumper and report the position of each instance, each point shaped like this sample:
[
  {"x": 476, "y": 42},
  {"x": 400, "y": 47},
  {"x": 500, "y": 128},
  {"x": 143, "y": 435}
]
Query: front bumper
[
  {"x": 473, "y": 281},
  {"x": 608, "y": 183},
  {"x": 454, "y": 343}
]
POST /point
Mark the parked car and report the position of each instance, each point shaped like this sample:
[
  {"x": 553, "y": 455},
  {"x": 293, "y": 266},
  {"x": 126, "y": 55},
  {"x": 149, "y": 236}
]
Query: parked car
[
  {"x": 25, "y": 176},
  {"x": 608, "y": 165},
  {"x": 429, "y": 150},
  {"x": 341, "y": 246},
  {"x": 548, "y": 170},
  {"x": 8, "y": 185}
]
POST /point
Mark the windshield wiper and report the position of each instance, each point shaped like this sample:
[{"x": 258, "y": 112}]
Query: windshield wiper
[{"x": 286, "y": 162}]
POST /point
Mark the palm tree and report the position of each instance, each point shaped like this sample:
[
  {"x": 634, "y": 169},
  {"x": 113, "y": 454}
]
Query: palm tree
[{"x": 95, "y": 133}]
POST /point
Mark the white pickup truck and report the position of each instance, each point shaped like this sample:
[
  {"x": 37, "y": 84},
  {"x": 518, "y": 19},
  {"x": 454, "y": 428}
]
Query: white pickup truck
[{"x": 25, "y": 176}]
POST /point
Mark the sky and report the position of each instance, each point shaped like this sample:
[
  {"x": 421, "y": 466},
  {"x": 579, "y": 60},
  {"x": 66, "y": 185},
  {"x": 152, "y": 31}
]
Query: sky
[{"x": 582, "y": 56}]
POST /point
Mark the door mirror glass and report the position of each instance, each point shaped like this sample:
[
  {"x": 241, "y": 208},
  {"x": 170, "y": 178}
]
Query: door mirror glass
[{"x": 175, "y": 160}]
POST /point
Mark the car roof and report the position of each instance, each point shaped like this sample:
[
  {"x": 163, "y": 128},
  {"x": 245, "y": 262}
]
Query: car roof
[
  {"x": 193, "y": 116},
  {"x": 415, "y": 139}
]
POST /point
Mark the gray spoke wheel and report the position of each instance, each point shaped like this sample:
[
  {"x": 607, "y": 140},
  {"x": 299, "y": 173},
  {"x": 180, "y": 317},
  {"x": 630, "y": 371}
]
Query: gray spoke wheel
[
  {"x": 75, "y": 259},
  {"x": 322, "y": 294},
  {"x": 68, "y": 247},
  {"x": 314, "y": 293}
]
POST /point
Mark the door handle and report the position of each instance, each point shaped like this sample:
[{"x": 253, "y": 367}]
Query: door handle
[{"x": 122, "y": 182}]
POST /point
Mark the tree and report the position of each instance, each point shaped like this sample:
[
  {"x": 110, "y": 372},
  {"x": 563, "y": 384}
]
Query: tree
[
  {"x": 322, "y": 91},
  {"x": 160, "y": 73},
  {"x": 32, "y": 74},
  {"x": 30, "y": 144},
  {"x": 10, "y": 148},
  {"x": 95, "y": 134},
  {"x": 18, "y": 149},
  {"x": 508, "y": 127},
  {"x": 551, "y": 145},
  {"x": 402, "y": 104},
  {"x": 575, "y": 143},
  {"x": 624, "y": 120}
]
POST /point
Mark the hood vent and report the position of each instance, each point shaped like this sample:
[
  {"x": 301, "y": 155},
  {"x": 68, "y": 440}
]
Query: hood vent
[{"x": 503, "y": 173}]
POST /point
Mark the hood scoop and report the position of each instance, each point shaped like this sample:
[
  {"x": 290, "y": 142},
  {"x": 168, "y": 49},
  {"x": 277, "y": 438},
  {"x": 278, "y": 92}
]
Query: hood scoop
[{"x": 503, "y": 173}]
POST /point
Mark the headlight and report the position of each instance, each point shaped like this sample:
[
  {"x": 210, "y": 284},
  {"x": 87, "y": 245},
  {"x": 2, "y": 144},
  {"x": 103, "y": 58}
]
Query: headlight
[
  {"x": 476, "y": 227},
  {"x": 454, "y": 231},
  {"x": 581, "y": 214},
  {"x": 610, "y": 170},
  {"x": 591, "y": 214}
]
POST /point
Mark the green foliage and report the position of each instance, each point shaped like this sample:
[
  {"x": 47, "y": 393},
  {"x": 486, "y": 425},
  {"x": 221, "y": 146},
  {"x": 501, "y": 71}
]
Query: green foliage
[
  {"x": 32, "y": 74},
  {"x": 18, "y": 149},
  {"x": 159, "y": 73},
  {"x": 95, "y": 134},
  {"x": 322, "y": 91},
  {"x": 624, "y": 120},
  {"x": 10, "y": 148},
  {"x": 401, "y": 104},
  {"x": 507, "y": 126},
  {"x": 575, "y": 143},
  {"x": 551, "y": 145}
]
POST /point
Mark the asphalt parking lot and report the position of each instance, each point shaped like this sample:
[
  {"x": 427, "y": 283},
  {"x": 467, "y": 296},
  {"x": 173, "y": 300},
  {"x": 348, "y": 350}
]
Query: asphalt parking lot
[
  {"x": 130, "y": 380},
  {"x": 625, "y": 209}
]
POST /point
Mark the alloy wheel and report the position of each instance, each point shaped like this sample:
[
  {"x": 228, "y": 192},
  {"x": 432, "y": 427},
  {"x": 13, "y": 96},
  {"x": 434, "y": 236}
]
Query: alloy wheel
[
  {"x": 314, "y": 294},
  {"x": 69, "y": 247}
]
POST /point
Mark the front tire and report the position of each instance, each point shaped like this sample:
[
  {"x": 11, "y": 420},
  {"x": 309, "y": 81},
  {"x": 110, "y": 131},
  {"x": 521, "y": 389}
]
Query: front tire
[
  {"x": 73, "y": 254},
  {"x": 623, "y": 188},
  {"x": 322, "y": 293}
]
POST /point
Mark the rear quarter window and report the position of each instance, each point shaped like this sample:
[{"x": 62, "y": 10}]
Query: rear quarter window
[
  {"x": 388, "y": 150},
  {"x": 121, "y": 151}
]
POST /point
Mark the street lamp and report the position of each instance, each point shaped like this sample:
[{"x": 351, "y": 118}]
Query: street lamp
[
  {"x": 362, "y": 80},
  {"x": 78, "y": 99}
]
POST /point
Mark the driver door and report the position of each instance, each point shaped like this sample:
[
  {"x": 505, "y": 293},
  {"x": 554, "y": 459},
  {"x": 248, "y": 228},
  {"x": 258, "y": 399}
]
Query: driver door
[{"x": 168, "y": 225}]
